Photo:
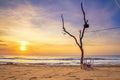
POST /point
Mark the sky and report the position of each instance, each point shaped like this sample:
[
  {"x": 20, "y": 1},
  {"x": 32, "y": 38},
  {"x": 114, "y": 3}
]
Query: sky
[{"x": 34, "y": 27}]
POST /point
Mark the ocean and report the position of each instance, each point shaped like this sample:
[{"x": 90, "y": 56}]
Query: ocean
[{"x": 60, "y": 60}]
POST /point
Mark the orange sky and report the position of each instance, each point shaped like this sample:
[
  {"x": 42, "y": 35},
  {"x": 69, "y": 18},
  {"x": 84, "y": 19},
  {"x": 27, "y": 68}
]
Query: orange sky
[{"x": 41, "y": 28}]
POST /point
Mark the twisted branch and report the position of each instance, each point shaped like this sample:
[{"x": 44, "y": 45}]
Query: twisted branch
[
  {"x": 68, "y": 32},
  {"x": 85, "y": 21},
  {"x": 85, "y": 24}
]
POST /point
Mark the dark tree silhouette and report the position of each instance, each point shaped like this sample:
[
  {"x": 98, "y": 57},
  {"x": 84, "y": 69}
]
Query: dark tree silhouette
[{"x": 81, "y": 34}]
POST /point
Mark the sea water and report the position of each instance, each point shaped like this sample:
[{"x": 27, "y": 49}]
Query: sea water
[{"x": 60, "y": 60}]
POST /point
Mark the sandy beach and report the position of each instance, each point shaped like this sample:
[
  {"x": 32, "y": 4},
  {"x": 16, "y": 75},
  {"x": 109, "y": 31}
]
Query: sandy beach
[{"x": 43, "y": 72}]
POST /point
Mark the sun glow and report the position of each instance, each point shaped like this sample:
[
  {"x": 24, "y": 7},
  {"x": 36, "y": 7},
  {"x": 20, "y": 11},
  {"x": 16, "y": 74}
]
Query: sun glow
[
  {"x": 22, "y": 48},
  {"x": 23, "y": 45}
]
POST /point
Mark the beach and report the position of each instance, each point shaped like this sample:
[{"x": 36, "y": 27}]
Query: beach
[{"x": 47, "y": 72}]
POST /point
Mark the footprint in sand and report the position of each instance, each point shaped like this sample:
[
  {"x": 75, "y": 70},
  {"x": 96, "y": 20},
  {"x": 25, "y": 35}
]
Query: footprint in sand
[
  {"x": 72, "y": 76},
  {"x": 77, "y": 78},
  {"x": 88, "y": 79},
  {"x": 33, "y": 78},
  {"x": 11, "y": 78}
]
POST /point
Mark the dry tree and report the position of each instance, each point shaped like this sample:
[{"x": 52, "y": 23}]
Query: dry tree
[{"x": 81, "y": 34}]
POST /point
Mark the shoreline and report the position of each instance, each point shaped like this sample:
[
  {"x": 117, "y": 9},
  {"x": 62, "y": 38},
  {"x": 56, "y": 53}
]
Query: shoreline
[{"x": 37, "y": 64}]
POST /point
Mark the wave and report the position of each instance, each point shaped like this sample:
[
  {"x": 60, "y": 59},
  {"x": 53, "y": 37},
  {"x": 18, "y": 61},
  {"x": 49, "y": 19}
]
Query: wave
[
  {"x": 58, "y": 60},
  {"x": 15, "y": 58}
]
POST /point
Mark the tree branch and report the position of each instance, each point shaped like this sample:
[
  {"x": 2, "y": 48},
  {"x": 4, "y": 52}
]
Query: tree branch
[
  {"x": 82, "y": 33},
  {"x": 80, "y": 38},
  {"x": 68, "y": 32},
  {"x": 85, "y": 25},
  {"x": 83, "y": 14}
]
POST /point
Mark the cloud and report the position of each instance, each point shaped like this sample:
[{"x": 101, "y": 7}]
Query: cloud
[
  {"x": 27, "y": 21},
  {"x": 3, "y": 44},
  {"x": 3, "y": 33},
  {"x": 40, "y": 23},
  {"x": 1, "y": 41}
]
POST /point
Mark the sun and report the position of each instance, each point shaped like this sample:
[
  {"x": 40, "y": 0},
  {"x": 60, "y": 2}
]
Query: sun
[
  {"x": 23, "y": 48},
  {"x": 23, "y": 45}
]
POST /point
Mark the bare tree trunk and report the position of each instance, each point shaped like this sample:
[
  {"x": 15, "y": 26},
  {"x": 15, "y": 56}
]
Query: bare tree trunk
[
  {"x": 81, "y": 35},
  {"x": 82, "y": 55},
  {"x": 81, "y": 45}
]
